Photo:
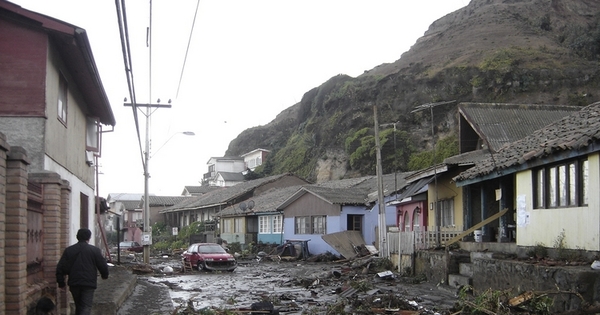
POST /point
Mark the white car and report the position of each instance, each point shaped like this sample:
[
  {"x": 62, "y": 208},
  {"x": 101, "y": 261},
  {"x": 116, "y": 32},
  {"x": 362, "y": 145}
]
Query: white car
[{"x": 130, "y": 246}]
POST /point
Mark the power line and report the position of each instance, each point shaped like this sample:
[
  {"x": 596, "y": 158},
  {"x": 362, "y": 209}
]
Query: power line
[
  {"x": 187, "y": 49},
  {"x": 126, "y": 49}
]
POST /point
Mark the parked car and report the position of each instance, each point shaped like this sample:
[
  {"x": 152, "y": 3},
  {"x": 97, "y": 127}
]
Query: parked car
[
  {"x": 209, "y": 256},
  {"x": 131, "y": 246}
]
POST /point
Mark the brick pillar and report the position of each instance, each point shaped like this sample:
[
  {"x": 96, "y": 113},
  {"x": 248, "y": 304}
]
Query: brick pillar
[
  {"x": 16, "y": 231},
  {"x": 51, "y": 183},
  {"x": 3, "y": 152},
  {"x": 65, "y": 204}
]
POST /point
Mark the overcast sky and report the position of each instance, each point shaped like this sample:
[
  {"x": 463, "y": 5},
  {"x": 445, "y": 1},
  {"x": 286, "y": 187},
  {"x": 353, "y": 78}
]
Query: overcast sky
[{"x": 247, "y": 61}]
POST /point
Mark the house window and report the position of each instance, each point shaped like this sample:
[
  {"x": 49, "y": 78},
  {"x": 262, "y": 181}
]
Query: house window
[
  {"x": 446, "y": 208},
  {"x": 319, "y": 225},
  {"x": 228, "y": 226},
  {"x": 263, "y": 225},
  {"x": 311, "y": 225},
  {"x": 302, "y": 225},
  {"x": 416, "y": 219},
  {"x": 277, "y": 223},
  {"x": 238, "y": 225},
  {"x": 62, "y": 98},
  {"x": 561, "y": 185},
  {"x": 354, "y": 222},
  {"x": 92, "y": 134},
  {"x": 137, "y": 215}
]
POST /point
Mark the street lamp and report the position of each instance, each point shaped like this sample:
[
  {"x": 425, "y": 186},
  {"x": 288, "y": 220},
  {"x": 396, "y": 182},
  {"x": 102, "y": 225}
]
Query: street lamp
[
  {"x": 147, "y": 235},
  {"x": 187, "y": 133}
]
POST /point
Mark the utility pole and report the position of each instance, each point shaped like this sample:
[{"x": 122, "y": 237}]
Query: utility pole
[
  {"x": 382, "y": 224},
  {"x": 147, "y": 232}
]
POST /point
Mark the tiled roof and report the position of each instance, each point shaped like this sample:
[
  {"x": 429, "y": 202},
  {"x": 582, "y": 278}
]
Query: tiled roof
[
  {"x": 224, "y": 195},
  {"x": 347, "y": 196},
  {"x": 355, "y": 191},
  {"x": 265, "y": 202},
  {"x": 574, "y": 132},
  {"x": 124, "y": 196},
  {"x": 500, "y": 124},
  {"x": 164, "y": 201}
]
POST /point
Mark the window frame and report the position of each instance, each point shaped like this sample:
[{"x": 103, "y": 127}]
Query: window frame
[
  {"x": 310, "y": 225},
  {"x": 264, "y": 224},
  {"x": 561, "y": 185},
  {"x": 228, "y": 226},
  {"x": 62, "y": 101},
  {"x": 238, "y": 225},
  {"x": 355, "y": 222},
  {"x": 446, "y": 210},
  {"x": 277, "y": 224}
]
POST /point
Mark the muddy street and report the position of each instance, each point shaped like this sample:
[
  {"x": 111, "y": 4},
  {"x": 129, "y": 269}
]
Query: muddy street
[{"x": 289, "y": 287}]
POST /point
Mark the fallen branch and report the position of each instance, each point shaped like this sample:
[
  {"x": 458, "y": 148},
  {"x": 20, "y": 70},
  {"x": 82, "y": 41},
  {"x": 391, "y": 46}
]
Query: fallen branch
[{"x": 478, "y": 308}]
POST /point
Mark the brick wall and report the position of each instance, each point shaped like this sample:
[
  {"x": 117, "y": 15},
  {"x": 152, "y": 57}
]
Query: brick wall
[{"x": 16, "y": 295}]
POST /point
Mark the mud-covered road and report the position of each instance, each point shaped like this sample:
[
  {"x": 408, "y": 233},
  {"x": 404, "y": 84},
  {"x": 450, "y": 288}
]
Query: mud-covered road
[{"x": 294, "y": 287}]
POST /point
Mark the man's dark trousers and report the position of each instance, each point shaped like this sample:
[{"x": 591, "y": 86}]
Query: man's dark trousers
[{"x": 83, "y": 298}]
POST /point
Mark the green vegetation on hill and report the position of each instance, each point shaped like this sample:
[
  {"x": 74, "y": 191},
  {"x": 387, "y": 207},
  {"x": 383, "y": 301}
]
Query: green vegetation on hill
[{"x": 490, "y": 52}]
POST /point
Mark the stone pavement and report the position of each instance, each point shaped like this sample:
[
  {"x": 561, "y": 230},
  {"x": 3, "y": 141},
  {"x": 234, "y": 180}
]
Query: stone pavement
[
  {"x": 125, "y": 293},
  {"x": 148, "y": 299},
  {"x": 112, "y": 292}
]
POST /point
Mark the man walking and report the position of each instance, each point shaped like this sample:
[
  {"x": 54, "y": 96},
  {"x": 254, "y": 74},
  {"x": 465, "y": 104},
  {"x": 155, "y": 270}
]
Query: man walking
[{"x": 81, "y": 263}]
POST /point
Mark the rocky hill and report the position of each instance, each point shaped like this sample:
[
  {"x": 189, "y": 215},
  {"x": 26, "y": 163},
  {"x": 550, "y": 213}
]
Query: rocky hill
[{"x": 493, "y": 51}]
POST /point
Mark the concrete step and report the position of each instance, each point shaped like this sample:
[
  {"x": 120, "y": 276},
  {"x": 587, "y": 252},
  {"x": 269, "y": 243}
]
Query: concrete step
[
  {"x": 481, "y": 255},
  {"x": 466, "y": 269},
  {"x": 458, "y": 281}
]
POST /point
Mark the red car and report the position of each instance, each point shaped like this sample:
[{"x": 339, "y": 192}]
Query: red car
[{"x": 209, "y": 256}]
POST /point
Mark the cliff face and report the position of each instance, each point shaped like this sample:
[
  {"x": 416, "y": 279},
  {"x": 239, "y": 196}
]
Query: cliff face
[{"x": 509, "y": 51}]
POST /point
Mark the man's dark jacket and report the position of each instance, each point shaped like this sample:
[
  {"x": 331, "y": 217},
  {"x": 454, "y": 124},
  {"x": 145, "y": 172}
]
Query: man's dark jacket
[{"x": 80, "y": 262}]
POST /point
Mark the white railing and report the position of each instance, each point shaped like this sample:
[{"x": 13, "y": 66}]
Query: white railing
[{"x": 407, "y": 243}]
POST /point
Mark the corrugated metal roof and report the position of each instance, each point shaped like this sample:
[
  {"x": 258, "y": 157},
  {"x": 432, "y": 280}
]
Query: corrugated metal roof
[
  {"x": 574, "y": 132},
  {"x": 468, "y": 158},
  {"x": 131, "y": 204},
  {"x": 231, "y": 177},
  {"x": 199, "y": 189},
  {"x": 415, "y": 187},
  {"x": 500, "y": 124}
]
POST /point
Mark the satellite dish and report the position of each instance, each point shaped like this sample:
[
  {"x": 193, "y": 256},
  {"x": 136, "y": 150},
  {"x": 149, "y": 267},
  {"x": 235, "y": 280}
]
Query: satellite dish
[
  {"x": 243, "y": 206},
  {"x": 250, "y": 204}
]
